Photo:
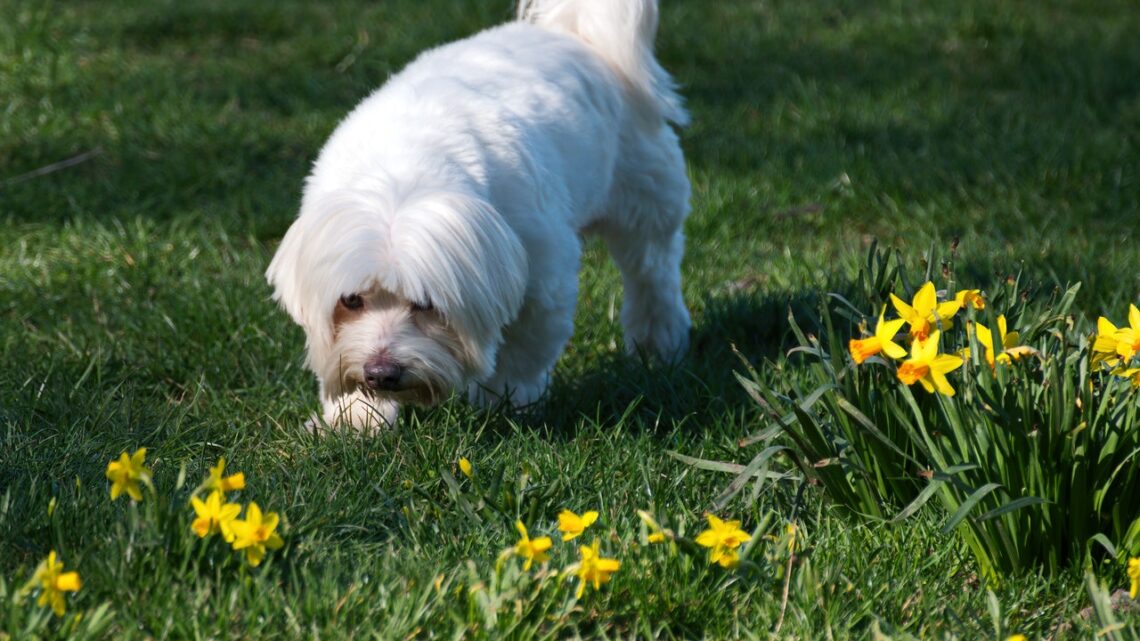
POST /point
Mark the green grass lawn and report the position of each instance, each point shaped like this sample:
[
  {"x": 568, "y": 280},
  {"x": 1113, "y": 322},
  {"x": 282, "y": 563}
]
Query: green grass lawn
[{"x": 134, "y": 313}]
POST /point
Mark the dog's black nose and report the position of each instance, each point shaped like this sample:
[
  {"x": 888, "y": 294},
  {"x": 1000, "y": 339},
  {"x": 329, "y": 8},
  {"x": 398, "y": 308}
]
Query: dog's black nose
[{"x": 383, "y": 373}]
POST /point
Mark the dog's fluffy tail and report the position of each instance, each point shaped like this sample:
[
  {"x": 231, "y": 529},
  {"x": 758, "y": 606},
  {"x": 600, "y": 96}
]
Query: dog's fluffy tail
[{"x": 622, "y": 32}]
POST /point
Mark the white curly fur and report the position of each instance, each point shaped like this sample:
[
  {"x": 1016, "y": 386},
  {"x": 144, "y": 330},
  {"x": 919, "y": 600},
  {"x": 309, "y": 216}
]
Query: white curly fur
[{"x": 463, "y": 185}]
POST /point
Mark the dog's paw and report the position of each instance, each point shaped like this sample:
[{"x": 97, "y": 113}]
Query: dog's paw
[
  {"x": 314, "y": 425},
  {"x": 358, "y": 412},
  {"x": 664, "y": 334}
]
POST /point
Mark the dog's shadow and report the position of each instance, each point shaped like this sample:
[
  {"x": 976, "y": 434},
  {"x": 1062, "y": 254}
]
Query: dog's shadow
[{"x": 642, "y": 394}]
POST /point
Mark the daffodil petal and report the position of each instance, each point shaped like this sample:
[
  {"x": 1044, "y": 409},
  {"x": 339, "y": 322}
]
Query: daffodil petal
[
  {"x": 707, "y": 539},
  {"x": 941, "y": 384},
  {"x": 946, "y": 311},
  {"x": 201, "y": 527},
  {"x": 890, "y": 328},
  {"x": 234, "y": 482},
  {"x": 925, "y": 299},
  {"x": 270, "y": 521},
  {"x": 894, "y": 350},
  {"x": 945, "y": 363},
  {"x": 926, "y": 384},
  {"x": 904, "y": 310}
]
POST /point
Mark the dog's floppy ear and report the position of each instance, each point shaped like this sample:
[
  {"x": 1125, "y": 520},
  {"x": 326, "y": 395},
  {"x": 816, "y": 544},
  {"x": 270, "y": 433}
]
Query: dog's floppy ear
[
  {"x": 446, "y": 247},
  {"x": 297, "y": 289},
  {"x": 334, "y": 247},
  {"x": 455, "y": 250}
]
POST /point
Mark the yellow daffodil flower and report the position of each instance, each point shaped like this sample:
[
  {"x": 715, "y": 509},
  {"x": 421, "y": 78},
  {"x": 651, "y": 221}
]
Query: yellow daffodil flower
[
  {"x": 572, "y": 525},
  {"x": 531, "y": 549},
  {"x": 1016, "y": 637},
  {"x": 1128, "y": 338},
  {"x": 218, "y": 482},
  {"x": 882, "y": 341},
  {"x": 255, "y": 533},
  {"x": 925, "y": 314},
  {"x": 465, "y": 467},
  {"x": 592, "y": 569},
  {"x": 1009, "y": 343},
  {"x": 1134, "y": 576},
  {"x": 722, "y": 538},
  {"x": 53, "y": 582},
  {"x": 1104, "y": 347},
  {"x": 970, "y": 297},
  {"x": 214, "y": 516},
  {"x": 928, "y": 367},
  {"x": 1116, "y": 346},
  {"x": 126, "y": 473}
]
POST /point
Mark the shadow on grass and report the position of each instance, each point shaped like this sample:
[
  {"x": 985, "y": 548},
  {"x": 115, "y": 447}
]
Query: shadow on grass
[{"x": 694, "y": 396}]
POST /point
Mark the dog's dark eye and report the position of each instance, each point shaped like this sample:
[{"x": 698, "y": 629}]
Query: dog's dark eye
[
  {"x": 352, "y": 301},
  {"x": 426, "y": 307}
]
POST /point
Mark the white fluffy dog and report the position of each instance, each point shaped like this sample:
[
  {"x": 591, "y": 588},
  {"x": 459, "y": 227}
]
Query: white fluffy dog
[{"x": 439, "y": 239}]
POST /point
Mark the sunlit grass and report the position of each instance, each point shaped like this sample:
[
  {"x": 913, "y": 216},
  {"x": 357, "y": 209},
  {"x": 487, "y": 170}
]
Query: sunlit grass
[{"x": 135, "y": 315}]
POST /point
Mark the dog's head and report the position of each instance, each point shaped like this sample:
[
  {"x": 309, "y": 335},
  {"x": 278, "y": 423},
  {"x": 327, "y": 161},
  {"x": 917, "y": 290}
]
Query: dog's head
[{"x": 402, "y": 296}]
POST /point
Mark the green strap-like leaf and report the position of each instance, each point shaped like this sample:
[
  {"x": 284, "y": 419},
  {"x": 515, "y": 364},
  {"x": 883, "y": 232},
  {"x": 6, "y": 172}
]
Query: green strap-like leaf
[
  {"x": 721, "y": 466},
  {"x": 862, "y": 419},
  {"x": 917, "y": 503},
  {"x": 1104, "y": 543},
  {"x": 968, "y": 505},
  {"x": 1013, "y": 505},
  {"x": 746, "y": 475}
]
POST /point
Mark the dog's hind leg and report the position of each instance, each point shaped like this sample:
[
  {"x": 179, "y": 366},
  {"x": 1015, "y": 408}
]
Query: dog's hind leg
[
  {"x": 644, "y": 234},
  {"x": 653, "y": 312}
]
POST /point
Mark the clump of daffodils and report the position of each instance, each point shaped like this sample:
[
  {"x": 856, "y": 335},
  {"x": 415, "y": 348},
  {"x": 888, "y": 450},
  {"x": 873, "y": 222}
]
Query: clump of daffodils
[
  {"x": 252, "y": 535},
  {"x": 1115, "y": 349},
  {"x": 593, "y": 568},
  {"x": 926, "y": 319}
]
